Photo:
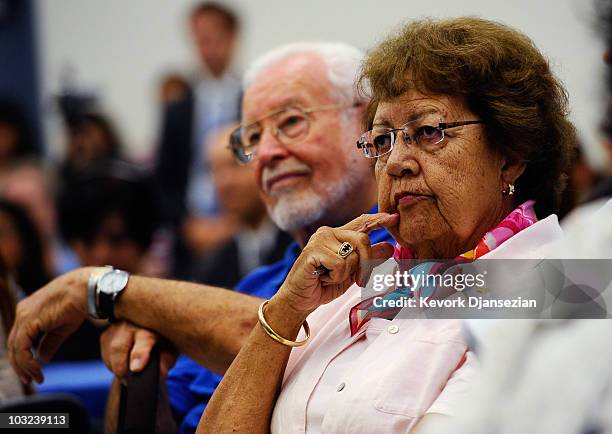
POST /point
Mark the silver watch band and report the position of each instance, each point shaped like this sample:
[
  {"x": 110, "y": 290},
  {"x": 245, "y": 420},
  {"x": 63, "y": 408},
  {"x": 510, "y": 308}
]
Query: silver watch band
[{"x": 92, "y": 285}]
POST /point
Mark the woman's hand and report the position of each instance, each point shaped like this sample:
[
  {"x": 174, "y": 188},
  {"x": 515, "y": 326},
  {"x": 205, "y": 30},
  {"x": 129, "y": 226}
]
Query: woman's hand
[{"x": 305, "y": 288}]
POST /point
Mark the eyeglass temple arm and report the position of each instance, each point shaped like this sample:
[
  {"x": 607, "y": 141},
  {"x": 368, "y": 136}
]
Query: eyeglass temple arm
[{"x": 447, "y": 125}]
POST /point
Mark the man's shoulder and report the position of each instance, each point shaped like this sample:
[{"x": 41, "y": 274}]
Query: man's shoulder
[
  {"x": 381, "y": 235},
  {"x": 264, "y": 281}
]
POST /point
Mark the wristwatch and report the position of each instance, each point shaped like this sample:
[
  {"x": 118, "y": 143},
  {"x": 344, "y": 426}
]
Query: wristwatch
[
  {"x": 92, "y": 285},
  {"x": 106, "y": 285}
]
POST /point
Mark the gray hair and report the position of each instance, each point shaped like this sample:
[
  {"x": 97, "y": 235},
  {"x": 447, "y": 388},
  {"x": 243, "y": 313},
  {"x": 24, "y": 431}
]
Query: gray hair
[{"x": 343, "y": 63}]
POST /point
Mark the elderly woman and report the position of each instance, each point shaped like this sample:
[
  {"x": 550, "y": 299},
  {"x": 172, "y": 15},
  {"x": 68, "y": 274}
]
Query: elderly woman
[{"x": 470, "y": 140}]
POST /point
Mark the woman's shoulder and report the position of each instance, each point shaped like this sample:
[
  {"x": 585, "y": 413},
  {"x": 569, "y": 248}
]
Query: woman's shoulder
[{"x": 534, "y": 242}]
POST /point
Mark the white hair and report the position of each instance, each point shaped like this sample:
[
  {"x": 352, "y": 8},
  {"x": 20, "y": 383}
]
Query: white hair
[{"x": 343, "y": 63}]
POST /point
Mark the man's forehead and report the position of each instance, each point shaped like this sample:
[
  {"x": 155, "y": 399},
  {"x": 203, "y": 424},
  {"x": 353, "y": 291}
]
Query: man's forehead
[{"x": 297, "y": 80}]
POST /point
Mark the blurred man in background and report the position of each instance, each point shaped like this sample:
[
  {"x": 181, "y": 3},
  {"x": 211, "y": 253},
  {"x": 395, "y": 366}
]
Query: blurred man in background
[
  {"x": 108, "y": 215},
  {"x": 257, "y": 241},
  {"x": 213, "y": 101}
]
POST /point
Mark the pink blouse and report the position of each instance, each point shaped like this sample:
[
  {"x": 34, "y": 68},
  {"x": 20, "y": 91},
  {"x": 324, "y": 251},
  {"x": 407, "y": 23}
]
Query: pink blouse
[{"x": 391, "y": 373}]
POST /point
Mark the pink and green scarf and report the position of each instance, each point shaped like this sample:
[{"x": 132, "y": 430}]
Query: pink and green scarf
[{"x": 519, "y": 219}]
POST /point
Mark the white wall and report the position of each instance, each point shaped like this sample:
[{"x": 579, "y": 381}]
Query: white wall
[{"x": 121, "y": 47}]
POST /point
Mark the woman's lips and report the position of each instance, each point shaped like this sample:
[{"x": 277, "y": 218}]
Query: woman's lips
[{"x": 406, "y": 199}]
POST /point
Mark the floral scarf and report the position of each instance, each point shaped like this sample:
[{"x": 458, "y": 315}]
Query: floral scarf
[{"x": 519, "y": 219}]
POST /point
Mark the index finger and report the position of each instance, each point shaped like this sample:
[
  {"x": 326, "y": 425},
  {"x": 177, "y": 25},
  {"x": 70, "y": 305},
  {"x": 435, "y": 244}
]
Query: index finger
[{"x": 367, "y": 223}]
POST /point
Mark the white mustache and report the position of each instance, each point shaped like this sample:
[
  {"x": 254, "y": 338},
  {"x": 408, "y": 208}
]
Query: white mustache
[{"x": 282, "y": 168}]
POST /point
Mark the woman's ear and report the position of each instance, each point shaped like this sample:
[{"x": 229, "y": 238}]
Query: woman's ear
[{"x": 512, "y": 170}]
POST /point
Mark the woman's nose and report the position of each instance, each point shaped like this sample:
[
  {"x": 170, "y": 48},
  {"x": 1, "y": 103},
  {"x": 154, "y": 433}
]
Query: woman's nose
[{"x": 402, "y": 161}]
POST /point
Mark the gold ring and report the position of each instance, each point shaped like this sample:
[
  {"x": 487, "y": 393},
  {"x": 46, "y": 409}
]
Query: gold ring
[{"x": 345, "y": 249}]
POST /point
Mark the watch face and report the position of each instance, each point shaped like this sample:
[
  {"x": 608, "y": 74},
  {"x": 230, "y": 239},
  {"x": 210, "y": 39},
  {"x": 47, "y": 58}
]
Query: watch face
[{"x": 113, "y": 282}]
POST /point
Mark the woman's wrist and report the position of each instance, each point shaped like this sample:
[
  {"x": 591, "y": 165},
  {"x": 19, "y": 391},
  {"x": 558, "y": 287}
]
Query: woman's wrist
[{"x": 283, "y": 317}]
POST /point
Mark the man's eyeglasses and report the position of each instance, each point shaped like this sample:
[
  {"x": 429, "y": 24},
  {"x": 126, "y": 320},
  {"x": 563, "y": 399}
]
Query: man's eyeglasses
[
  {"x": 289, "y": 125},
  {"x": 380, "y": 141}
]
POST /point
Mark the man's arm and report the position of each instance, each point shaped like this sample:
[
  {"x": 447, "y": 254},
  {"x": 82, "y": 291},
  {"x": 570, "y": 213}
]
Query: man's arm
[{"x": 208, "y": 324}]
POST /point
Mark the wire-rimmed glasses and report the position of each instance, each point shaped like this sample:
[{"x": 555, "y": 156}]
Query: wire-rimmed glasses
[
  {"x": 289, "y": 125},
  {"x": 380, "y": 141}
]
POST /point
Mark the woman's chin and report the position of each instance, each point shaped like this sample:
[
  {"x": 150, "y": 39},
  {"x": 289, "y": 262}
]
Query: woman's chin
[{"x": 413, "y": 232}]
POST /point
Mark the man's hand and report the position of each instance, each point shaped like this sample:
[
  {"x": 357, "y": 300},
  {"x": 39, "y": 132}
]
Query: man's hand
[
  {"x": 44, "y": 320},
  {"x": 126, "y": 348}
]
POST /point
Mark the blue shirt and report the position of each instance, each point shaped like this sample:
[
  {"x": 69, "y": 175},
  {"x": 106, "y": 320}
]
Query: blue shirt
[{"x": 190, "y": 386}]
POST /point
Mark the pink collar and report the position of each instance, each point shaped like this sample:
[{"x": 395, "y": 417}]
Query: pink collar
[{"x": 519, "y": 219}]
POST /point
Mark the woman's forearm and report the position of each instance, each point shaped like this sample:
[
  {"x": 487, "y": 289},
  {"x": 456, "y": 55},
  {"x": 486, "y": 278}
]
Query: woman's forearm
[{"x": 244, "y": 401}]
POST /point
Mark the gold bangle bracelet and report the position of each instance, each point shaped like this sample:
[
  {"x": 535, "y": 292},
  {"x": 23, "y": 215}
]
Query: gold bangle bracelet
[{"x": 278, "y": 338}]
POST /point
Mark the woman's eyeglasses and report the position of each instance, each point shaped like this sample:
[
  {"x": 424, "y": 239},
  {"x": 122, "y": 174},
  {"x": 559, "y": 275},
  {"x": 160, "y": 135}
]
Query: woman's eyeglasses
[{"x": 380, "y": 141}]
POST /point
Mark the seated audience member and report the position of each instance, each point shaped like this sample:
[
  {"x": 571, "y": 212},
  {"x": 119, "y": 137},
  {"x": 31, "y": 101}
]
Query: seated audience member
[
  {"x": 190, "y": 205},
  {"x": 173, "y": 88},
  {"x": 580, "y": 182},
  {"x": 10, "y": 386},
  {"x": 91, "y": 138},
  {"x": 307, "y": 176},
  {"x": 108, "y": 216},
  {"x": 604, "y": 9},
  {"x": 21, "y": 249},
  {"x": 213, "y": 101},
  {"x": 258, "y": 241},
  {"x": 31, "y": 186},
  {"x": 470, "y": 138},
  {"x": 16, "y": 141}
]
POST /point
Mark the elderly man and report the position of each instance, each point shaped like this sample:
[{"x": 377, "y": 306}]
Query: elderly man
[{"x": 301, "y": 117}]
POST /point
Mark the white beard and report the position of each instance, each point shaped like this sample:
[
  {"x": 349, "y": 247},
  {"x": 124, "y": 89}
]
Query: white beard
[{"x": 296, "y": 209}]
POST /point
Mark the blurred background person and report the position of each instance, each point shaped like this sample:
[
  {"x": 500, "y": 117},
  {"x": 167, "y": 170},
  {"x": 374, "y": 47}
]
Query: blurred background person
[
  {"x": 257, "y": 240},
  {"x": 173, "y": 87},
  {"x": 580, "y": 182},
  {"x": 31, "y": 184},
  {"x": 109, "y": 216},
  {"x": 10, "y": 386},
  {"x": 15, "y": 135},
  {"x": 604, "y": 13},
  {"x": 214, "y": 100},
  {"x": 21, "y": 249},
  {"x": 91, "y": 137}
]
